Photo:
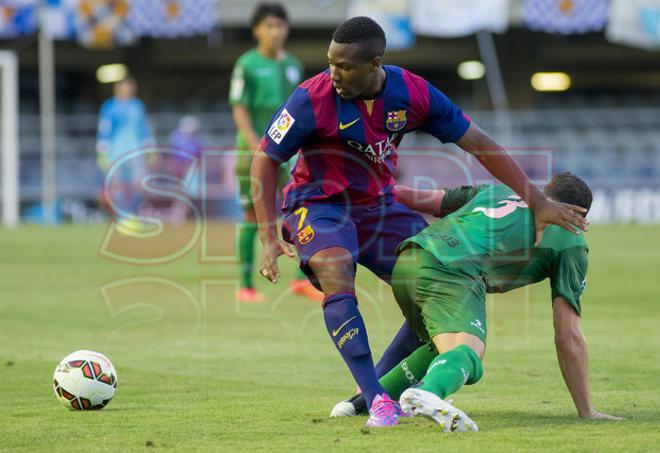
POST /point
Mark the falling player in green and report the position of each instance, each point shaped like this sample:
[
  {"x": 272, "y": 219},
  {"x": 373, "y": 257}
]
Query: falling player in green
[
  {"x": 262, "y": 80},
  {"x": 441, "y": 277}
]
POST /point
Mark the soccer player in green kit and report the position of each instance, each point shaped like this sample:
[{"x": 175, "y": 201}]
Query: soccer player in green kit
[
  {"x": 262, "y": 80},
  {"x": 441, "y": 277}
]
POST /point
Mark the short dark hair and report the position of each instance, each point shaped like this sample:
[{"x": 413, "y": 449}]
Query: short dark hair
[
  {"x": 364, "y": 31},
  {"x": 263, "y": 10},
  {"x": 568, "y": 188}
]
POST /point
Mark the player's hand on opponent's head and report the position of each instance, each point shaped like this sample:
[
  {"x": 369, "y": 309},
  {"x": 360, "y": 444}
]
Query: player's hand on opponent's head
[
  {"x": 551, "y": 212},
  {"x": 594, "y": 415},
  {"x": 272, "y": 249}
]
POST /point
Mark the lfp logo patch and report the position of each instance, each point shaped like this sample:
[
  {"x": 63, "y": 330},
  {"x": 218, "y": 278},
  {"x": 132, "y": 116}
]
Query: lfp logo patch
[
  {"x": 281, "y": 126},
  {"x": 396, "y": 120}
]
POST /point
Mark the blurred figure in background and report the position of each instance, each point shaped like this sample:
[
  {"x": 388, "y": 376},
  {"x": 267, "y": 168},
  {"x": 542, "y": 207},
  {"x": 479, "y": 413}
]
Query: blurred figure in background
[
  {"x": 186, "y": 138},
  {"x": 262, "y": 80},
  {"x": 186, "y": 144},
  {"x": 123, "y": 128}
]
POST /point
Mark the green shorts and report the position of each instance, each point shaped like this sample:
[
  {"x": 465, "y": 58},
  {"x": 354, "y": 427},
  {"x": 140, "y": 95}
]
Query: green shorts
[
  {"x": 435, "y": 298},
  {"x": 243, "y": 164}
]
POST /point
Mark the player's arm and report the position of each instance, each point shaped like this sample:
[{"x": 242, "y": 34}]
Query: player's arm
[
  {"x": 104, "y": 129},
  {"x": 500, "y": 164},
  {"x": 426, "y": 201},
  {"x": 436, "y": 202},
  {"x": 243, "y": 122},
  {"x": 289, "y": 128},
  {"x": 573, "y": 358},
  {"x": 447, "y": 122},
  {"x": 263, "y": 176},
  {"x": 239, "y": 98}
]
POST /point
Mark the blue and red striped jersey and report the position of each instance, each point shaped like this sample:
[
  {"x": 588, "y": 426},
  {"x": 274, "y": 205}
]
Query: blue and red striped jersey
[{"x": 347, "y": 148}]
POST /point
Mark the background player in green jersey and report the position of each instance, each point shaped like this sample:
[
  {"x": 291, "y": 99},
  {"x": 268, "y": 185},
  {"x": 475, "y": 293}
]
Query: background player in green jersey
[
  {"x": 484, "y": 244},
  {"x": 262, "y": 80}
]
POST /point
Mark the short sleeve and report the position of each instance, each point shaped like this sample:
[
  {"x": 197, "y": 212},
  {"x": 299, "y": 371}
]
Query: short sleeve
[
  {"x": 569, "y": 276},
  {"x": 290, "y": 127},
  {"x": 445, "y": 120},
  {"x": 239, "y": 93},
  {"x": 295, "y": 71}
]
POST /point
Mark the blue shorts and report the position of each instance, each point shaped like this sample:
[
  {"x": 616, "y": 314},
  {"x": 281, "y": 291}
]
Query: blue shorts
[{"x": 370, "y": 232}]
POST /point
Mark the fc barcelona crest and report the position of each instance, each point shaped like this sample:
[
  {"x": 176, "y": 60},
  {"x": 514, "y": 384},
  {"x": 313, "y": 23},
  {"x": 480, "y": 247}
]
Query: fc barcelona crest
[
  {"x": 396, "y": 120},
  {"x": 305, "y": 235}
]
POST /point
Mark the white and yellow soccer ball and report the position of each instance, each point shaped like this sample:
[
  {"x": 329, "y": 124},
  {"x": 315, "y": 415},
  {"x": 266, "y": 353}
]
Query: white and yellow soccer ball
[{"x": 85, "y": 380}]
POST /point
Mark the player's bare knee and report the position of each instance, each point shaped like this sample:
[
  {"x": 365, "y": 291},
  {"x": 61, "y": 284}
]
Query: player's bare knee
[
  {"x": 334, "y": 269},
  {"x": 336, "y": 279},
  {"x": 447, "y": 341}
]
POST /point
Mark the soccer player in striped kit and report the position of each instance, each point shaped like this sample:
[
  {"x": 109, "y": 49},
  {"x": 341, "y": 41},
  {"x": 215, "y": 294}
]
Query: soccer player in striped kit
[{"x": 345, "y": 125}]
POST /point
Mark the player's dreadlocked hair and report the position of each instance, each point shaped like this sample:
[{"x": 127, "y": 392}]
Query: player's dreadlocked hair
[
  {"x": 364, "y": 31},
  {"x": 263, "y": 10},
  {"x": 568, "y": 188}
]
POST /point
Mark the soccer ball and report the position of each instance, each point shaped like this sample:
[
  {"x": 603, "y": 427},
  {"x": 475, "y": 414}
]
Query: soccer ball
[{"x": 85, "y": 380}]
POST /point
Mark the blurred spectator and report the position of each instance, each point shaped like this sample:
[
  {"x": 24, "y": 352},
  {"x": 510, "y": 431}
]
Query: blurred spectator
[
  {"x": 186, "y": 136},
  {"x": 122, "y": 131},
  {"x": 185, "y": 139},
  {"x": 183, "y": 162}
]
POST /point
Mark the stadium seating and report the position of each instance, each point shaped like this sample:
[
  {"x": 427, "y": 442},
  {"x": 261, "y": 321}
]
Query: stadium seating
[{"x": 604, "y": 143}]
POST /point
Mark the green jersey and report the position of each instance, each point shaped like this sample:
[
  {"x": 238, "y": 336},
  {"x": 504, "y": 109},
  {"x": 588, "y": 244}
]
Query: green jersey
[
  {"x": 261, "y": 85},
  {"x": 491, "y": 235}
]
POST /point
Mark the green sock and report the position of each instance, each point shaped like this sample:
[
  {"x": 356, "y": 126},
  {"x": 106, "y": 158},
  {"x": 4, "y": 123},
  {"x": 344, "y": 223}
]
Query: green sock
[
  {"x": 409, "y": 372},
  {"x": 451, "y": 370},
  {"x": 245, "y": 245}
]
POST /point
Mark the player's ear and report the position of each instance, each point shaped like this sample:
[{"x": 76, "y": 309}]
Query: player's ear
[
  {"x": 375, "y": 63},
  {"x": 255, "y": 33}
]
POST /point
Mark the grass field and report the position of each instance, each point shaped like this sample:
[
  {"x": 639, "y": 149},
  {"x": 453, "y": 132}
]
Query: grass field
[{"x": 197, "y": 371}]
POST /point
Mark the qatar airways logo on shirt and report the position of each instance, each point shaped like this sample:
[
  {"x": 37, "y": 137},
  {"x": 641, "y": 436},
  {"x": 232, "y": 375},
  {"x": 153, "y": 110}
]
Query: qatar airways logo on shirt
[{"x": 375, "y": 152}]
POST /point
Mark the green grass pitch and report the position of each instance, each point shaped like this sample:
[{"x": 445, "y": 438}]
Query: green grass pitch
[{"x": 197, "y": 371}]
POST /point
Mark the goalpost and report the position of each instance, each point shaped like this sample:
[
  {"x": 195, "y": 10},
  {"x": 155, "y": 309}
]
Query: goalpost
[{"x": 9, "y": 137}]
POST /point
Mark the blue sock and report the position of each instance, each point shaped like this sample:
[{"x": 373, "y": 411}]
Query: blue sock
[
  {"x": 402, "y": 345},
  {"x": 349, "y": 334}
]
